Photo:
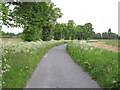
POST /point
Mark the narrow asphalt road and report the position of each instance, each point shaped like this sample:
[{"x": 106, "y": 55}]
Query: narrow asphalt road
[{"x": 58, "y": 70}]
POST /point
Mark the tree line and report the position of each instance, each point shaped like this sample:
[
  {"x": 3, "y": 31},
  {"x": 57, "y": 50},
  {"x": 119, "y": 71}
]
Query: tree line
[
  {"x": 39, "y": 20},
  {"x": 10, "y": 35},
  {"x": 67, "y": 31},
  {"x": 106, "y": 35},
  {"x": 71, "y": 31}
]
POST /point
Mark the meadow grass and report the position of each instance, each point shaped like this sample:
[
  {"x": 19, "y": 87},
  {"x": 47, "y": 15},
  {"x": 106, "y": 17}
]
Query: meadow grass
[
  {"x": 102, "y": 65},
  {"x": 20, "y": 60}
]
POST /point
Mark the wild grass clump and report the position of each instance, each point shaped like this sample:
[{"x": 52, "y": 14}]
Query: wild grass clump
[
  {"x": 102, "y": 65},
  {"x": 19, "y": 60}
]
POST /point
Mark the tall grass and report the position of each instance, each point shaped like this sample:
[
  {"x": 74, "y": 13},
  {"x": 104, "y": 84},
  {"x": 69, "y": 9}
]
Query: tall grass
[
  {"x": 19, "y": 60},
  {"x": 102, "y": 65}
]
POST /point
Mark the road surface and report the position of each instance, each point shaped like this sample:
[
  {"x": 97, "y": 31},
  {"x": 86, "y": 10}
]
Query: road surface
[{"x": 58, "y": 70}]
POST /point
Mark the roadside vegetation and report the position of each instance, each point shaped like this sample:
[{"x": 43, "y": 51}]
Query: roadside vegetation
[
  {"x": 19, "y": 60},
  {"x": 102, "y": 65}
]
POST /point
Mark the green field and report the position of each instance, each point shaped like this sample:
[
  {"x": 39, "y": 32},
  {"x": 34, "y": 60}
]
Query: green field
[
  {"x": 112, "y": 42},
  {"x": 107, "y": 41}
]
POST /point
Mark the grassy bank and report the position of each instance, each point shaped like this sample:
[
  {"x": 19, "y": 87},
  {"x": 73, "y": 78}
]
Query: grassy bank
[
  {"x": 102, "y": 65},
  {"x": 19, "y": 60}
]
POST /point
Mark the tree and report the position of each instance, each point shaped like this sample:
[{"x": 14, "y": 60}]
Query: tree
[
  {"x": 4, "y": 14},
  {"x": 88, "y": 31},
  {"x": 84, "y": 33},
  {"x": 3, "y": 17},
  {"x": 118, "y": 38},
  {"x": 79, "y": 32},
  {"x": 71, "y": 29},
  {"x": 19, "y": 35},
  {"x": 9, "y": 35},
  {"x": 31, "y": 33},
  {"x": 65, "y": 32},
  {"x": 35, "y": 18},
  {"x": 105, "y": 35},
  {"x": 97, "y": 36},
  {"x": 113, "y": 36},
  {"x": 3, "y": 33},
  {"x": 57, "y": 32}
]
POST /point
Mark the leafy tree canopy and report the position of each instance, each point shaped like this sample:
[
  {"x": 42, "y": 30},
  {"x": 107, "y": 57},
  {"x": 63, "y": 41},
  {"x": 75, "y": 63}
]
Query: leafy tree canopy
[{"x": 32, "y": 16}]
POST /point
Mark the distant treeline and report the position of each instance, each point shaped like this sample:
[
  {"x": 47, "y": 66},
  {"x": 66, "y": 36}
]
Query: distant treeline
[
  {"x": 106, "y": 35},
  {"x": 61, "y": 32},
  {"x": 10, "y": 35}
]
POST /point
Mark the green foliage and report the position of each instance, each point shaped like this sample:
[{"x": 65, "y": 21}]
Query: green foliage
[
  {"x": 65, "y": 32},
  {"x": 31, "y": 33},
  {"x": 106, "y": 35},
  {"x": 119, "y": 37},
  {"x": 70, "y": 31},
  {"x": 102, "y": 65},
  {"x": 113, "y": 36},
  {"x": 3, "y": 33},
  {"x": 19, "y": 35},
  {"x": 97, "y": 36},
  {"x": 88, "y": 31},
  {"x": 38, "y": 19},
  {"x": 4, "y": 13},
  {"x": 33, "y": 16},
  {"x": 46, "y": 34},
  {"x": 79, "y": 32},
  {"x": 57, "y": 32},
  {"x": 10, "y": 35},
  {"x": 71, "y": 28}
]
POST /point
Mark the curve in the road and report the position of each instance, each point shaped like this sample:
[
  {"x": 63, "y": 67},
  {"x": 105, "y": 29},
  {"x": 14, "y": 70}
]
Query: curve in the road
[{"x": 58, "y": 70}]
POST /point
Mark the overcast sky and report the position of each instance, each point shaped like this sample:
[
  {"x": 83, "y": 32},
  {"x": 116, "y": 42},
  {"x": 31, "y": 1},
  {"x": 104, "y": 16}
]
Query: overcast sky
[{"x": 103, "y": 14}]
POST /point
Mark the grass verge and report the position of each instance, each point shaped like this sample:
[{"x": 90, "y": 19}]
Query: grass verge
[
  {"x": 102, "y": 65},
  {"x": 22, "y": 65}
]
